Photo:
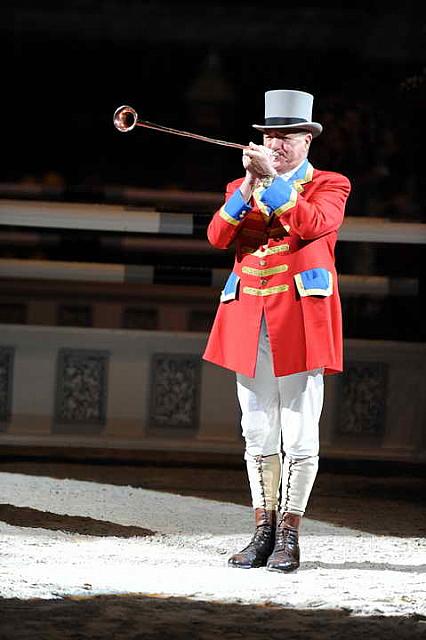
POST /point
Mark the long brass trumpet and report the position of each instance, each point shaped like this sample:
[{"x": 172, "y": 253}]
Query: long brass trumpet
[{"x": 126, "y": 119}]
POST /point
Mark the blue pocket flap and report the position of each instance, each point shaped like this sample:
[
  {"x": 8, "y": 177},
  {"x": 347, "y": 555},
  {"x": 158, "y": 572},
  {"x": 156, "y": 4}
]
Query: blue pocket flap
[
  {"x": 230, "y": 289},
  {"x": 314, "y": 282}
]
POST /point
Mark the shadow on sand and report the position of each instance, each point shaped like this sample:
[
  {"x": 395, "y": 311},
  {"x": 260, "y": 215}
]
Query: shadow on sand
[
  {"x": 28, "y": 517},
  {"x": 139, "y": 617},
  {"x": 389, "y": 504}
]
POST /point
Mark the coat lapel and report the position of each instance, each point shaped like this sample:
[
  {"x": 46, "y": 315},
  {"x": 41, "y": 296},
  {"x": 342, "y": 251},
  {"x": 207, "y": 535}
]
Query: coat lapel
[{"x": 301, "y": 177}]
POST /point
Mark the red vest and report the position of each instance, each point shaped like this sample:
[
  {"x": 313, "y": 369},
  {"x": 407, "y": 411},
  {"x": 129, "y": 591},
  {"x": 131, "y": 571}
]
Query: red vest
[{"x": 279, "y": 259}]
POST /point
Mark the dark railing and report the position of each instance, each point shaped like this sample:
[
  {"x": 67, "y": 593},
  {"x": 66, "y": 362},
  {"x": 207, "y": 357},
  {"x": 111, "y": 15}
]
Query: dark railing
[{"x": 153, "y": 244}]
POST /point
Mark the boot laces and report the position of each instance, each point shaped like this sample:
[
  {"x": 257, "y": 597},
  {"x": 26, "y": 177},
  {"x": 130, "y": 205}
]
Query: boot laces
[
  {"x": 286, "y": 538},
  {"x": 261, "y": 536}
]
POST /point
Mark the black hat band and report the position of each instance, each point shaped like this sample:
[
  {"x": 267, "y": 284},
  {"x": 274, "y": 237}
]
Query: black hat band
[{"x": 269, "y": 122}]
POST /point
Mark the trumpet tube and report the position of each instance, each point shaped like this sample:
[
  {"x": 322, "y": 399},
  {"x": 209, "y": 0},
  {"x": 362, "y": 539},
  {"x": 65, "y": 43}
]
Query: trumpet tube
[{"x": 126, "y": 119}]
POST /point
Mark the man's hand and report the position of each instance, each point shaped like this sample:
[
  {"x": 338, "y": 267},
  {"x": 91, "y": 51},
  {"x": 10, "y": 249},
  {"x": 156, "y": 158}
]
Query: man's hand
[{"x": 257, "y": 161}]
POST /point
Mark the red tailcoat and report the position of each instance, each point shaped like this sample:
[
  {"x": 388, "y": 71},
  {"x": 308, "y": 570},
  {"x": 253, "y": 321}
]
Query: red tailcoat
[{"x": 286, "y": 232}]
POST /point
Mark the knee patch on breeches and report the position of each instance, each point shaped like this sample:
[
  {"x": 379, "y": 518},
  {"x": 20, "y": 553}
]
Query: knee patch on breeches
[
  {"x": 264, "y": 474},
  {"x": 298, "y": 477}
]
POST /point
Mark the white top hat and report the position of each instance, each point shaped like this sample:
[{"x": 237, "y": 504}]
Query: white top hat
[{"x": 289, "y": 109}]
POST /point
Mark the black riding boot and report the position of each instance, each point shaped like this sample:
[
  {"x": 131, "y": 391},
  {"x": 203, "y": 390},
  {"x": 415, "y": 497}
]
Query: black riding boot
[
  {"x": 286, "y": 554},
  {"x": 260, "y": 546}
]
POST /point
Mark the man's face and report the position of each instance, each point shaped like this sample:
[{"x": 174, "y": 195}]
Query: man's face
[{"x": 289, "y": 148}]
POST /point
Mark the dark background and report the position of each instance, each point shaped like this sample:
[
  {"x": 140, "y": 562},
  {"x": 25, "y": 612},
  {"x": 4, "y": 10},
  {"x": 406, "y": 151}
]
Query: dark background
[{"x": 205, "y": 67}]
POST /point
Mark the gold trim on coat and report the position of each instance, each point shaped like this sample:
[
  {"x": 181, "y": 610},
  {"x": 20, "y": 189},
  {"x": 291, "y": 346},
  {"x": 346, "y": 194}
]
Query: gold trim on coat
[
  {"x": 270, "y": 251},
  {"x": 251, "y": 271},
  {"x": 252, "y": 291}
]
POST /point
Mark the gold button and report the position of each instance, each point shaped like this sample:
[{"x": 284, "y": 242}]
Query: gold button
[
  {"x": 262, "y": 263},
  {"x": 263, "y": 282}
]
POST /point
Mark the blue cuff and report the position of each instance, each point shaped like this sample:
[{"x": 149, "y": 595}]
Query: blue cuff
[
  {"x": 279, "y": 197},
  {"x": 236, "y": 206}
]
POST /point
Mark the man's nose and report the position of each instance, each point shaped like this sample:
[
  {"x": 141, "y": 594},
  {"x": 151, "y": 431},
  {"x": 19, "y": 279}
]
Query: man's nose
[{"x": 275, "y": 143}]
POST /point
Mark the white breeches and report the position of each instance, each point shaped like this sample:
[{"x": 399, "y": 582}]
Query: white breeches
[{"x": 280, "y": 414}]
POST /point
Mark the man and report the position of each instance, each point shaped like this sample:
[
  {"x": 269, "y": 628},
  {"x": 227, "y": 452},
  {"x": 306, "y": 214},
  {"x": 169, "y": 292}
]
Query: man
[{"x": 278, "y": 325}]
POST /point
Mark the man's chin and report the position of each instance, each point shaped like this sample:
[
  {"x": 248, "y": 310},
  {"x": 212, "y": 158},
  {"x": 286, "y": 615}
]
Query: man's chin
[{"x": 280, "y": 167}]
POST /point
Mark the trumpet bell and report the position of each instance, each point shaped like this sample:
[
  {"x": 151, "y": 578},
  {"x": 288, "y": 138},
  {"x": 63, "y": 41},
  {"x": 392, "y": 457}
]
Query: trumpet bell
[{"x": 125, "y": 118}]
